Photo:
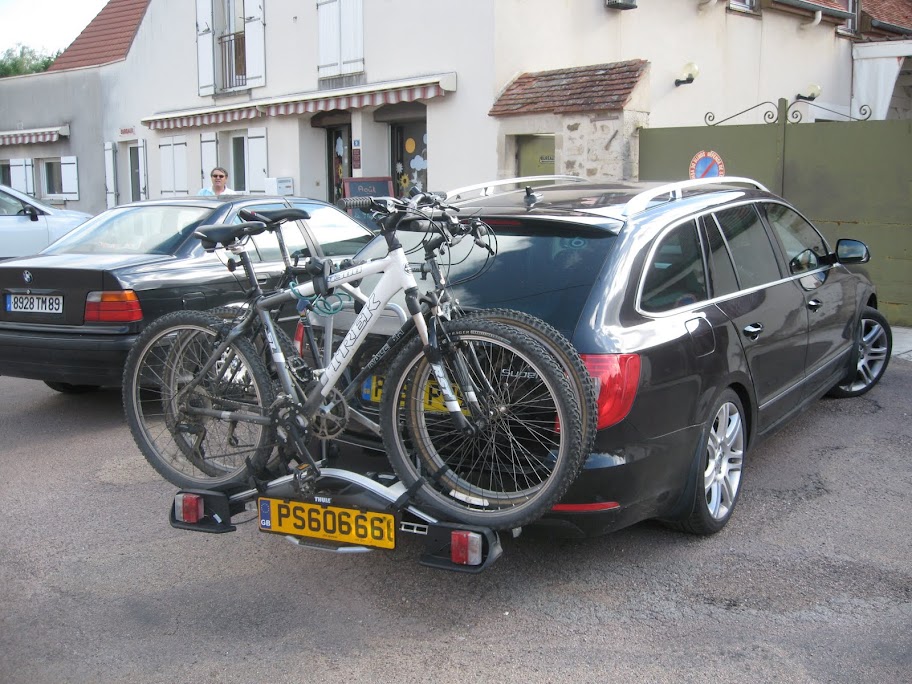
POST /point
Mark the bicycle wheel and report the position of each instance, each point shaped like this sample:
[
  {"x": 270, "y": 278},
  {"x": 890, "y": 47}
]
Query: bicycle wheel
[
  {"x": 526, "y": 447},
  {"x": 567, "y": 358},
  {"x": 183, "y": 429}
]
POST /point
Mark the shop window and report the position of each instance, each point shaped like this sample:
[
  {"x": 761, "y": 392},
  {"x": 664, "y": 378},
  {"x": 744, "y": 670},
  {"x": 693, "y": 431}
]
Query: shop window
[{"x": 409, "y": 149}]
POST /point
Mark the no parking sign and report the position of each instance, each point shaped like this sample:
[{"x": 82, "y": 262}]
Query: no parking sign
[{"x": 706, "y": 165}]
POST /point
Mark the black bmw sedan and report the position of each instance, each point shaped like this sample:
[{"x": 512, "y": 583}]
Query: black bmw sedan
[{"x": 70, "y": 313}]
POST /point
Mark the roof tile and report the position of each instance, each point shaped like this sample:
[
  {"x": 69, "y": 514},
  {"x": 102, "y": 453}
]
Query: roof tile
[
  {"x": 107, "y": 38},
  {"x": 896, "y": 12},
  {"x": 597, "y": 87}
]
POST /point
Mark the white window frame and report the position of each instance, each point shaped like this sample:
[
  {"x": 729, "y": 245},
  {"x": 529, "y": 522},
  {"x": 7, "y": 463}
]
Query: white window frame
[
  {"x": 69, "y": 178},
  {"x": 743, "y": 5},
  {"x": 255, "y": 160}
]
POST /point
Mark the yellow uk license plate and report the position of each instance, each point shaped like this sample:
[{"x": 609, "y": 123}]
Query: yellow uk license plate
[
  {"x": 372, "y": 391},
  {"x": 332, "y": 523}
]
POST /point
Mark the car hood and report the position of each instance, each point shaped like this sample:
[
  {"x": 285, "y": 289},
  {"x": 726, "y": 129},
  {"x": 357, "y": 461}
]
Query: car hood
[{"x": 70, "y": 213}]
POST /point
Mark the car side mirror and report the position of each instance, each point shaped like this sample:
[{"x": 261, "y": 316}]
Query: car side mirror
[
  {"x": 30, "y": 211},
  {"x": 852, "y": 252}
]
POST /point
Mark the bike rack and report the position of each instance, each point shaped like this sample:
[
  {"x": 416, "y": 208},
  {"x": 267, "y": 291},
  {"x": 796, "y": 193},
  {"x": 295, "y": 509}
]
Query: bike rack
[{"x": 219, "y": 507}]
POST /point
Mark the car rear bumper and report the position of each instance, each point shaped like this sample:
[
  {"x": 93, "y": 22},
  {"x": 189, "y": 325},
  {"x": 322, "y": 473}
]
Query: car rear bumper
[{"x": 77, "y": 359}]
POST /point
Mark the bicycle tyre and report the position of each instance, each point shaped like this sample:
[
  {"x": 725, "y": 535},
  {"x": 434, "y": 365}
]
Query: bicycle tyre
[
  {"x": 514, "y": 469},
  {"x": 567, "y": 357},
  {"x": 190, "y": 450}
]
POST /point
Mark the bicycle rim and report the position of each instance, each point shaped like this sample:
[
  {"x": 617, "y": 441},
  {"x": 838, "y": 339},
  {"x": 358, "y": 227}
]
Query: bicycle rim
[
  {"x": 517, "y": 463},
  {"x": 170, "y": 417}
]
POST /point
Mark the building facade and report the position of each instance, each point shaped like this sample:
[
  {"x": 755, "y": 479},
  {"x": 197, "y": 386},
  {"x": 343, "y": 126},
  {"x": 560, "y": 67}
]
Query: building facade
[{"x": 302, "y": 97}]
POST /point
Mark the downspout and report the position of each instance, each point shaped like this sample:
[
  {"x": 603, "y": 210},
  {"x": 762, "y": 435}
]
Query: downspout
[{"x": 818, "y": 15}]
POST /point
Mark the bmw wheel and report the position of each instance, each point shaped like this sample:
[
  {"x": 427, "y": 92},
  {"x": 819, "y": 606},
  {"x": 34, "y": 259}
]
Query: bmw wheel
[{"x": 875, "y": 344}]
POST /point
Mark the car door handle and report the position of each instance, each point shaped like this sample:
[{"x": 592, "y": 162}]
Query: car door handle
[
  {"x": 753, "y": 330},
  {"x": 814, "y": 304}
]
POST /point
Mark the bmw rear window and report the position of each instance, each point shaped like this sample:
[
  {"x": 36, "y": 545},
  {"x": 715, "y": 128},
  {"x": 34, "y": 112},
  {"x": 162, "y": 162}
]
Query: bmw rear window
[{"x": 546, "y": 270}]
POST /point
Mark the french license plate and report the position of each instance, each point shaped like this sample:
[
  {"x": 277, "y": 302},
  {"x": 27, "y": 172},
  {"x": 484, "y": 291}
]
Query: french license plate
[
  {"x": 372, "y": 391},
  {"x": 332, "y": 523},
  {"x": 50, "y": 304}
]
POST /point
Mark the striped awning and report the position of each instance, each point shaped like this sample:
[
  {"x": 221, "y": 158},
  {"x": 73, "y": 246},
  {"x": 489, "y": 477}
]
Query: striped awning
[
  {"x": 373, "y": 98},
  {"x": 33, "y": 135},
  {"x": 369, "y": 95},
  {"x": 205, "y": 117}
]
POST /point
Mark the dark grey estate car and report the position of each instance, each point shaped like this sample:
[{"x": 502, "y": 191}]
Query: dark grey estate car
[{"x": 709, "y": 312}]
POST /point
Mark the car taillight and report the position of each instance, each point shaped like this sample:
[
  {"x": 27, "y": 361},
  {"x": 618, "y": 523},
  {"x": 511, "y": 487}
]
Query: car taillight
[
  {"x": 617, "y": 378},
  {"x": 113, "y": 307}
]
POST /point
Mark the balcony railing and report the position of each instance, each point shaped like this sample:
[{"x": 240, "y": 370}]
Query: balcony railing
[{"x": 233, "y": 60}]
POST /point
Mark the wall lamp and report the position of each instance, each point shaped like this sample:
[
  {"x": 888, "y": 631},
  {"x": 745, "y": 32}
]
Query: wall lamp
[
  {"x": 688, "y": 74},
  {"x": 811, "y": 93}
]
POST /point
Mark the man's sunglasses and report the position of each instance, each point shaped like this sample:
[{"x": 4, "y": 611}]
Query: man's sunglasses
[{"x": 217, "y": 175}]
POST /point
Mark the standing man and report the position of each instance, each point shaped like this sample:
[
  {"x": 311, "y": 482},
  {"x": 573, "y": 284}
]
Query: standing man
[{"x": 219, "y": 178}]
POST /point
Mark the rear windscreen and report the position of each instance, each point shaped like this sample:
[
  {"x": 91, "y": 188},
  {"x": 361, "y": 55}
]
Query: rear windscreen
[{"x": 545, "y": 272}]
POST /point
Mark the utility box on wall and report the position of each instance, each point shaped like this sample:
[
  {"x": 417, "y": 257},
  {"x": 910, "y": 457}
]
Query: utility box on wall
[{"x": 280, "y": 186}]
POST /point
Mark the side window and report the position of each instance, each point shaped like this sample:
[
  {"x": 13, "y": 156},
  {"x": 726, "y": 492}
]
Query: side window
[
  {"x": 267, "y": 245},
  {"x": 675, "y": 276},
  {"x": 802, "y": 244},
  {"x": 9, "y": 205},
  {"x": 748, "y": 242},
  {"x": 336, "y": 232},
  {"x": 722, "y": 270}
]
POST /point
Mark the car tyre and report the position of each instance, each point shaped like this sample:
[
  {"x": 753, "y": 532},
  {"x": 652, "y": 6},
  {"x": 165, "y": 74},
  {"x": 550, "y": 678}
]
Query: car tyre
[
  {"x": 67, "y": 388},
  {"x": 718, "y": 468},
  {"x": 874, "y": 340}
]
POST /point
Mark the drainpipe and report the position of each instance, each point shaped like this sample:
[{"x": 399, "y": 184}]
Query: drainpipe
[{"x": 818, "y": 15}]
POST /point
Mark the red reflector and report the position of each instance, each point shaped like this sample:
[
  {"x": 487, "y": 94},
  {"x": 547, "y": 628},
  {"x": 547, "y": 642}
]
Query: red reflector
[
  {"x": 114, "y": 307},
  {"x": 465, "y": 547},
  {"x": 188, "y": 508},
  {"x": 583, "y": 508},
  {"x": 617, "y": 377},
  {"x": 299, "y": 339}
]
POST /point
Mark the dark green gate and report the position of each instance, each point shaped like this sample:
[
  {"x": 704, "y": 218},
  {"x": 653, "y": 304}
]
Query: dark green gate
[{"x": 851, "y": 178}]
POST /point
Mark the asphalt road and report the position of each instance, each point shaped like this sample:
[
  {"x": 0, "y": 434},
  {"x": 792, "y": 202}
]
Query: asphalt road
[{"x": 810, "y": 582}]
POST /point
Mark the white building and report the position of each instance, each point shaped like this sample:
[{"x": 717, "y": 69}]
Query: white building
[{"x": 293, "y": 96}]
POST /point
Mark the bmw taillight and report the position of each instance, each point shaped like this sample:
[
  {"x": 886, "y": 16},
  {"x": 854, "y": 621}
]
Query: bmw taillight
[
  {"x": 617, "y": 378},
  {"x": 121, "y": 306}
]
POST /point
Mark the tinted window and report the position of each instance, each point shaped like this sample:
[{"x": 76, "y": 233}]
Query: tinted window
[
  {"x": 545, "y": 272},
  {"x": 749, "y": 245},
  {"x": 801, "y": 242},
  {"x": 722, "y": 271},
  {"x": 9, "y": 205},
  {"x": 336, "y": 232},
  {"x": 675, "y": 276}
]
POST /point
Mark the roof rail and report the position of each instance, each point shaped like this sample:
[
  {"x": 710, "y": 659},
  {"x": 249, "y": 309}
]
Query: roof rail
[
  {"x": 676, "y": 190},
  {"x": 485, "y": 188}
]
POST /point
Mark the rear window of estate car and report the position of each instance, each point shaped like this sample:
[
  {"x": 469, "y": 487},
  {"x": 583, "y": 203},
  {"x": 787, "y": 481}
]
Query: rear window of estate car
[{"x": 546, "y": 272}]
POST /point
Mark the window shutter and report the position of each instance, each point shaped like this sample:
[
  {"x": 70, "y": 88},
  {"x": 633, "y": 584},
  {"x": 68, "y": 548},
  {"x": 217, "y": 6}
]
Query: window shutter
[
  {"x": 110, "y": 154},
  {"x": 22, "y": 176},
  {"x": 208, "y": 157},
  {"x": 166, "y": 157},
  {"x": 69, "y": 178},
  {"x": 351, "y": 36},
  {"x": 330, "y": 60},
  {"x": 179, "y": 160},
  {"x": 256, "y": 160},
  {"x": 205, "y": 44},
  {"x": 255, "y": 45}
]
